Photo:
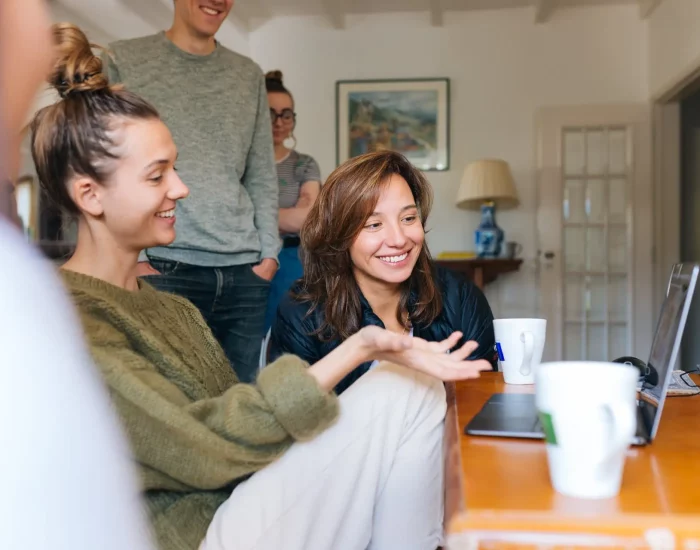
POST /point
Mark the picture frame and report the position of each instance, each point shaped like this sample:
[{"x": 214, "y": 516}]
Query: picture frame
[
  {"x": 27, "y": 200},
  {"x": 411, "y": 116}
]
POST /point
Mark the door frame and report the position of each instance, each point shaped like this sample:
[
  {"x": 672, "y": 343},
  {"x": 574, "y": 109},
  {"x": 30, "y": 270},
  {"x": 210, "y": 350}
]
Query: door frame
[
  {"x": 666, "y": 155},
  {"x": 640, "y": 313},
  {"x": 668, "y": 141},
  {"x": 667, "y": 193}
]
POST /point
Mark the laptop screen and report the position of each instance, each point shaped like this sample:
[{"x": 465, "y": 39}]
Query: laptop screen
[{"x": 666, "y": 344}]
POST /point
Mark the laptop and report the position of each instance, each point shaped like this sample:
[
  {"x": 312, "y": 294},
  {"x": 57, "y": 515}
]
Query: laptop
[{"x": 515, "y": 415}]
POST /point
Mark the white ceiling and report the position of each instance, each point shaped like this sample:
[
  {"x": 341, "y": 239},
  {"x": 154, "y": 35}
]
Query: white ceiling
[
  {"x": 138, "y": 17},
  {"x": 255, "y": 12},
  {"x": 318, "y": 7}
]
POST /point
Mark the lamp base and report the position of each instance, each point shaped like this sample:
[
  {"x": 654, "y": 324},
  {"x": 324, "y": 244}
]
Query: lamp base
[{"x": 488, "y": 236}]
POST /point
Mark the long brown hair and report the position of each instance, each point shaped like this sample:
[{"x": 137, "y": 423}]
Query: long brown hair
[
  {"x": 346, "y": 201},
  {"x": 75, "y": 137}
]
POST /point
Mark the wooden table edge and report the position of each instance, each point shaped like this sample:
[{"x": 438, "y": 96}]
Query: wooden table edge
[
  {"x": 454, "y": 481},
  {"x": 527, "y": 521}
]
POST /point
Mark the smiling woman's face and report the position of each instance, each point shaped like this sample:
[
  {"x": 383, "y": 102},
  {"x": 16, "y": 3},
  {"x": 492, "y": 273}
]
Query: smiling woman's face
[
  {"x": 137, "y": 204},
  {"x": 388, "y": 246},
  {"x": 22, "y": 70}
]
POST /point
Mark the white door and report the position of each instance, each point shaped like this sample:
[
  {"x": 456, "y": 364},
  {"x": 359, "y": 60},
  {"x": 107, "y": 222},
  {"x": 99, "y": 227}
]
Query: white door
[{"x": 594, "y": 225}]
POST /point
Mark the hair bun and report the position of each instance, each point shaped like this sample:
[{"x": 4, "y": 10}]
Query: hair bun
[
  {"x": 274, "y": 75},
  {"x": 76, "y": 68}
]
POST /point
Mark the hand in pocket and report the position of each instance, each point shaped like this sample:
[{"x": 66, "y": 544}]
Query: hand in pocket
[{"x": 266, "y": 269}]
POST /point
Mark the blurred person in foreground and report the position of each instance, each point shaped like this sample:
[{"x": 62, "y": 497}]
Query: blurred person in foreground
[{"x": 67, "y": 483}]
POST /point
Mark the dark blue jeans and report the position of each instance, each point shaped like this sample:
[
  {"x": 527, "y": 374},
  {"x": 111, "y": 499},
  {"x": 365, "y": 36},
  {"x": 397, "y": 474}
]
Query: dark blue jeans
[{"x": 232, "y": 300}]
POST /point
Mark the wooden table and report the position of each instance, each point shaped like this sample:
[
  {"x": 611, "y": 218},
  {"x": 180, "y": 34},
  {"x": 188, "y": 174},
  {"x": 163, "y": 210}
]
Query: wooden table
[
  {"x": 481, "y": 270},
  {"x": 499, "y": 494}
]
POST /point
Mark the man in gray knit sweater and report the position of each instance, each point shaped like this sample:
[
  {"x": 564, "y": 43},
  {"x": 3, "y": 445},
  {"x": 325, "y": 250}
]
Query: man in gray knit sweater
[{"x": 215, "y": 104}]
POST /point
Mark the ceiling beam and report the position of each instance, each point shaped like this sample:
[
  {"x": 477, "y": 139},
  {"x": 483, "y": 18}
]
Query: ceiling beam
[
  {"x": 436, "y": 13},
  {"x": 647, "y": 7},
  {"x": 544, "y": 10},
  {"x": 334, "y": 13}
]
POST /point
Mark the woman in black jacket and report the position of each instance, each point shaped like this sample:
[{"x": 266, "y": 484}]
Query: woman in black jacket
[{"x": 366, "y": 263}]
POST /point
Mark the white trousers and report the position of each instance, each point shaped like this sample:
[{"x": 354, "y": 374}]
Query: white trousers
[{"x": 374, "y": 480}]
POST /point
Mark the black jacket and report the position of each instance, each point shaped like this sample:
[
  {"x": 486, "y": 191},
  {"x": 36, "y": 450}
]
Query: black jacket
[{"x": 464, "y": 308}]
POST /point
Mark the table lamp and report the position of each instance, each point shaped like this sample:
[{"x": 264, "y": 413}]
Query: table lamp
[{"x": 487, "y": 183}]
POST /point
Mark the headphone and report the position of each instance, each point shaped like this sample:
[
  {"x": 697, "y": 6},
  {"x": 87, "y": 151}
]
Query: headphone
[{"x": 646, "y": 373}]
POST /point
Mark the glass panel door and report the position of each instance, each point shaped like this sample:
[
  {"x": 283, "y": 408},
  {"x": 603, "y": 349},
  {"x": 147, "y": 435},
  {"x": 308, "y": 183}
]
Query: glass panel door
[{"x": 596, "y": 242}]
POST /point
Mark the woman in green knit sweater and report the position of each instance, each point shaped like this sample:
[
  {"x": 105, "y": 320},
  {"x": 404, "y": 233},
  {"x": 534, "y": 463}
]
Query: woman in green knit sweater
[{"x": 282, "y": 463}]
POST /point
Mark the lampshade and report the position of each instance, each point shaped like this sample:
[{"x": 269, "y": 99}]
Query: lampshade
[{"x": 487, "y": 180}]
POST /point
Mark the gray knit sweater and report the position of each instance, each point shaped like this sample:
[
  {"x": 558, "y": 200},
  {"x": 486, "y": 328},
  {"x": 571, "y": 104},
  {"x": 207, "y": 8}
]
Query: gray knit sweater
[{"x": 216, "y": 108}]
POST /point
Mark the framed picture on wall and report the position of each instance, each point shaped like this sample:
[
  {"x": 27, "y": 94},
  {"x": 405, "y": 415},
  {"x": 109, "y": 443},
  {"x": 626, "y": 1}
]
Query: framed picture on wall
[{"x": 411, "y": 116}]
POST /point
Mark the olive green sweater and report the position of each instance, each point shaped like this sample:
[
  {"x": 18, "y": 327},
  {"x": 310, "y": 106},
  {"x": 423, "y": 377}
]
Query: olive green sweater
[{"x": 195, "y": 431}]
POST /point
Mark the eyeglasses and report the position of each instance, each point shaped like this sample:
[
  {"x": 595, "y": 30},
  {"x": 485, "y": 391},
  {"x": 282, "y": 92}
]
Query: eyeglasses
[{"x": 287, "y": 116}]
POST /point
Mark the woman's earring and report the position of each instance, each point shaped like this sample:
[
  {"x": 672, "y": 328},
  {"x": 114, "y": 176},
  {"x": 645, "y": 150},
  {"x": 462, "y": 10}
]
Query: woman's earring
[{"x": 290, "y": 142}]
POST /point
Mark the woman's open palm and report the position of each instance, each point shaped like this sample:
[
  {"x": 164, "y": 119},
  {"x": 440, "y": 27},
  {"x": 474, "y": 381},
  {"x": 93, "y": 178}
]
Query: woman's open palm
[{"x": 433, "y": 358}]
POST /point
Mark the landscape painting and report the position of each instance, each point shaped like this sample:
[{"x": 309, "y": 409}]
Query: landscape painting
[{"x": 408, "y": 116}]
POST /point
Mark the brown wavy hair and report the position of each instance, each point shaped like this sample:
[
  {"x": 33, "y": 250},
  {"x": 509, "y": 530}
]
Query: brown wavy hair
[
  {"x": 346, "y": 201},
  {"x": 76, "y": 135}
]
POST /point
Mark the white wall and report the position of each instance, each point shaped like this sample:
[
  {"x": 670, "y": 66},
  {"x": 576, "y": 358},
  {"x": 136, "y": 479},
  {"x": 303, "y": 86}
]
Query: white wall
[
  {"x": 674, "y": 43},
  {"x": 502, "y": 68},
  {"x": 97, "y": 34}
]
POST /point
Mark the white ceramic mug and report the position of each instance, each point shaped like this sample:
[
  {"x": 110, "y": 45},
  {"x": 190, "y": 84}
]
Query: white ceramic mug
[
  {"x": 588, "y": 414},
  {"x": 519, "y": 343}
]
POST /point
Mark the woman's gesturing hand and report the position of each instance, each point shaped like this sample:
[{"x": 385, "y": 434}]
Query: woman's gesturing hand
[{"x": 432, "y": 358}]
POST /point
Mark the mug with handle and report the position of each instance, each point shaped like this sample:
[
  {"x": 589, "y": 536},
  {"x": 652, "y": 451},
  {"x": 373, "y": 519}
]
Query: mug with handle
[
  {"x": 520, "y": 344},
  {"x": 588, "y": 414},
  {"x": 513, "y": 249}
]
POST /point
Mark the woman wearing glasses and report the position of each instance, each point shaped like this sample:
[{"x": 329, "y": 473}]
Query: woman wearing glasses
[{"x": 300, "y": 183}]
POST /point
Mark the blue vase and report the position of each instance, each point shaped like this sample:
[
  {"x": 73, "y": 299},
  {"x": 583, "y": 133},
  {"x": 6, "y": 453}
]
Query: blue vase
[{"x": 488, "y": 236}]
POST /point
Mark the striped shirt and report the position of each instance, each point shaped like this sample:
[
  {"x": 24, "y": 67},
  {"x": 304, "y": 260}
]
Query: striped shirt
[{"x": 293, "y": 171}]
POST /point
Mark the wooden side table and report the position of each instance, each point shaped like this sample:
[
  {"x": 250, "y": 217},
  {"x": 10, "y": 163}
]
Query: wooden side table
[{"x": 481, "y": 270}]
